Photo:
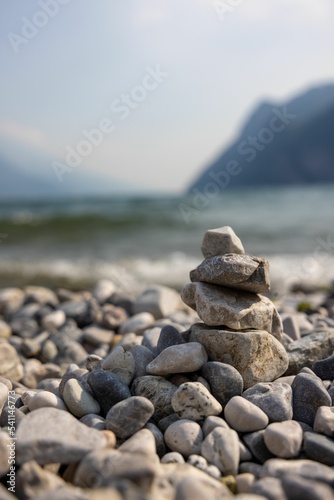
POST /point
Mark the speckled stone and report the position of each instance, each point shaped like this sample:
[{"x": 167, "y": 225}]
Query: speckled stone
[
  {"x": 108, "y": 389},
  {"x": 284, "y": 439},
  {"x": 225, "y": 381},
  {"x": 275, "y": 399},
  {"x": 221, "y": 448},
  {"x": 244, "y": 416},
  {"x": 184, "y": 358},
  {"x": 194, "y": 402},
  {"x": 159, "y": 391},
  {"x": 78, "y": 400},
  {"x": 129, "y": 416},
  {"x": 184, "y": 436},
  {"x": 308, "y": 395}
]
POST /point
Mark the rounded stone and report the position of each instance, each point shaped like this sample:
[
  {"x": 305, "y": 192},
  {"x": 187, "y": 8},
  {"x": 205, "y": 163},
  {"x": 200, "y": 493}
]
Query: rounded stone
[
  {"x": 78, "y": 400},
  {"x": 129, "y": 416},
  {"x": 221, "y": 448},
  {"x": 183, "y": 358},
  {"x": 137, "y": 323},
  {"x": 284, "y": 439},
  {"x": 46, "y": 399},
  {"x": 308, "y": 395},
  {"x": 54, "y": 320},
  {"x": 10, "y": 363},
  {"x": 173, "y": 457},
  {"x": 244, "y": 416},
  {"x": 5, "y": 330},
  {"x": 324, "y": 421},
  {"x": 120, "y": 362},
  {"x": 169, "y": 336},
  {"x": 193, "y": 401},
  {"x": 108, "y": 389},
  {"x": 142, "y": 356},
  {"x": 220, "y": 241},
  {"x": 225, "y": 381},
  {"x": 184, "y": 436},
  {"x": 94, "y": 421},
  {"x": 274, "y": 398},
  {"x": 211, "y": 423}
]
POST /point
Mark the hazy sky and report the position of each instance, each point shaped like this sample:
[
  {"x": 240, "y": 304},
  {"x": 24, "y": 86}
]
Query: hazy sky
[{"x": 169, "y": 81}]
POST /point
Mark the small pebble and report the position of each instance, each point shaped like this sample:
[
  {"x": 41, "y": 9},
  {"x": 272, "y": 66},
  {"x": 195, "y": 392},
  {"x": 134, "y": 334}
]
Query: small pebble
[
  {"x": 284, "y": 439},
  {"x": 184, "y": 358},
  {"x": 193, "y": 401},
  {"x": 129, "y": 416},
  {"x": 244, "y": 416},
  {"x": 221, "y": 448},
  {"x": 184, "y": 436},
  {"x": 78, "y": 400}
]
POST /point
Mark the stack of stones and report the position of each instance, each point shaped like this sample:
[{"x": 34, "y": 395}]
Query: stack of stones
[{"x": 241, "y": 327}]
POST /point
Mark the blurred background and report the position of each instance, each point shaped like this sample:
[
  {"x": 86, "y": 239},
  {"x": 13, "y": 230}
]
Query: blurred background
[{"x": 129, "y": 128}]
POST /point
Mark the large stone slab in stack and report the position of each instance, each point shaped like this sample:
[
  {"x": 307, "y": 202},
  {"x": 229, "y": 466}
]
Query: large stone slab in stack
[{"x": 241, "y": 326}]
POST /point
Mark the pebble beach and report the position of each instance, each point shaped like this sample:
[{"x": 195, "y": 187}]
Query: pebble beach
[{"x": 219, "y": 391}]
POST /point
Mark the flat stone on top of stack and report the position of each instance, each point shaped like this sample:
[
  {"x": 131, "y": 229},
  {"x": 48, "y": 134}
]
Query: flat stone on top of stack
[{"x": 226, "y": 293}]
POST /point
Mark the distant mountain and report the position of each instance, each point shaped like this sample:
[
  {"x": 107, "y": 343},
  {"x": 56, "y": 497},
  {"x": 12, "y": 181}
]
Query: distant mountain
[
  {"x": 281, "y": 144},
  {"x": 18, "y": 183}
]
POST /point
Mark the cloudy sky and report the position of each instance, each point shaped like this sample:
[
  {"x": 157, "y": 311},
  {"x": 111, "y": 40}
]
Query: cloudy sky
[{"x": 168, "y": 82}]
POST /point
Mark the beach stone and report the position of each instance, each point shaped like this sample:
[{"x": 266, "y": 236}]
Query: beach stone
[
  {"x": 79, "y": 401},
  {"x": 5, "y": 330},
  {"x": 296, "y": 487},
  {"x": 244, "y": 482},
  {"x": 211, "y": 423},
  {"x": 169, "y": 336},
  {"x": 48, "y": 435},
  {"x": 69, "y": 351},
  {"x": 46, "y": 399},
  {"x": 159, "y": 438},
  {"x": 159, "y": 391},
  {"x": 245, "y": 454},
  {"x": 142, "y": 356},
  {"x": 129, "y": 416},
  {"x": 256, "y": 355},
  {"x": 198, "y": 488},
  {"x": 324, "y": 421},
  {"x": 324, "y": 368},
  {"x": 309, "y": 349},
  {"x": 268, "y": 487},
  {"x": 10, "y": 300},
  {"x": 94, "y": 421},
  {"x": 96, "y": 335},
  {"x": 319, "y": 448},
  {"x": 99, "y": 468},
  {"x": 34, "y": 481},
  {"x": 193, "y": 401},
  {"x": 220, "y": 241},
  {"x": 221, "y": 448},
  {"x": 308, "y": 395},
  {"x": 49, "y": 350},
  {"x": 244, "y": 416},
  {"x": 10, "y": 363},
  {"x": 184, "y": 436},
  {"x": 183, "y": 358},
  {"x": 108, "y": 389},
  {"x": 113, "y": 316},
  {"x": 158, "y": 300},
  {"x": 307, "y": 469},
  {"x": 41, "y": 295},
  {"x": 151, "y": 338},
  {"x": 137, "y": 323},
  {"x": 173, "y": 457},
  {"x": 84, "y": 312},
  {"x": 284, "y": 439},
  {"x": 291, "y": 327},
  {"x": 120, "y": 362},
  {"x": 238, "y": 310},
  {"x": 54, "y": 320},
  {"x": 165, "y": 422},
  {"x": 142, "y": 441},
  {"x": 255, "y": 443},
  {"x": 274, "y": 398},
  {"x": 25, "y": 328},
  {"x": 225, "y": 381},
  {"x": 103, "y": 290},
  {"x": 242, "y": 272}
]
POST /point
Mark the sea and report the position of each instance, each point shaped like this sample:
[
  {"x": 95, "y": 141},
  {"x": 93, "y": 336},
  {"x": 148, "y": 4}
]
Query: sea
[{"x": 137, "y": 241}]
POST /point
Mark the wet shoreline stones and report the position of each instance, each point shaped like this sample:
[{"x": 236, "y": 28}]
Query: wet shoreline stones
[{"x": 145, "y": 401}]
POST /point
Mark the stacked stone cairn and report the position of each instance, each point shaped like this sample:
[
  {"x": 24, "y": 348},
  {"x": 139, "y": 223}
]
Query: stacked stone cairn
[
  {"x": 112, "y": 396},
  {"x": 241, "y": 327}
]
